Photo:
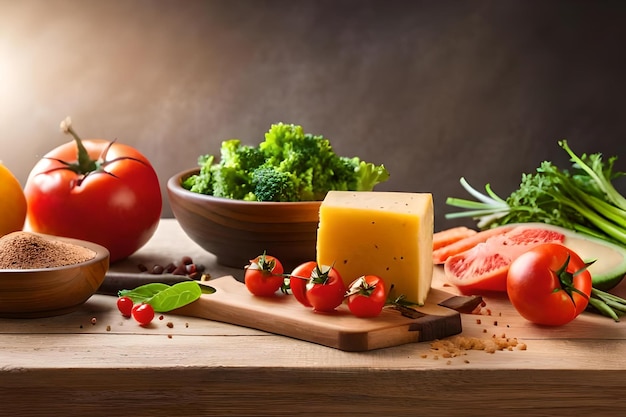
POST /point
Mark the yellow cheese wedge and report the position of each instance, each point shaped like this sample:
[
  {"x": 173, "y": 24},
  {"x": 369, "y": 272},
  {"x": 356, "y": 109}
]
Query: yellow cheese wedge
[{"x": 388, "y": 234}]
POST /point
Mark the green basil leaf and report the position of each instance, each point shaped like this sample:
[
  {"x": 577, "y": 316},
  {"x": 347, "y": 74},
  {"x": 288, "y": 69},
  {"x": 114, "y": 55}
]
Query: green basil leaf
[
  {"x": 143, "y": 293},
  {"x": 176, "y": 296}
]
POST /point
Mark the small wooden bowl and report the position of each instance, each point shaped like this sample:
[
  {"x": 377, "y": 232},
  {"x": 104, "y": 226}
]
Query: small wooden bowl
[
  {"x": 236, "y": 231},
  {"x": 46, "y": 292}
]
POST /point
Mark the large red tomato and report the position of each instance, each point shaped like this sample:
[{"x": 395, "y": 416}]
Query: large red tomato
[
  {"x": 95, "y": 190},
  {"x": 484, "y": 267},
  {"x": 549, "y": 284}
]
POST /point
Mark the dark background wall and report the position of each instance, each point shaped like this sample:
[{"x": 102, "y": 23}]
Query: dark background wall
[{"x": 435, "y": 90}]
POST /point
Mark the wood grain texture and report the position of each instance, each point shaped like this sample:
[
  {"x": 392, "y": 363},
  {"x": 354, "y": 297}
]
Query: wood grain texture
[
  {"x": 233, "y": 303},
  {"x": 181, "y": 365}
]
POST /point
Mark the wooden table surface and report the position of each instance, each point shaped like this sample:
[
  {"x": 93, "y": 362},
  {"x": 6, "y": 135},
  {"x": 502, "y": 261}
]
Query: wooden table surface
[{"x": 66, "y": 365}]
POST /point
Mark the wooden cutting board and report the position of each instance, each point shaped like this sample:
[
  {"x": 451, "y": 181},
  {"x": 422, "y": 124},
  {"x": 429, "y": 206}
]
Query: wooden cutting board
[{"x": 232, "y": 303}]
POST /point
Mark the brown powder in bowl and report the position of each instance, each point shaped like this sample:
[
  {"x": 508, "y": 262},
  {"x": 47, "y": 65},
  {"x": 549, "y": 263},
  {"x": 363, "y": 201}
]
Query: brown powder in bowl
[{"x": 23, "y": 250}]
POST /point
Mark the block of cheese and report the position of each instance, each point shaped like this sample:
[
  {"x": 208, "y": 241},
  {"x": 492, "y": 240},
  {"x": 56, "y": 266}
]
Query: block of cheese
[{"x": 388, "y": 234}]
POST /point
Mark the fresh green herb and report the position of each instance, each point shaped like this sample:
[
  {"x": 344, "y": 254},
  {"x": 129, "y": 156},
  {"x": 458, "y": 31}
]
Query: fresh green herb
[
  {"x": 607, "y": 304},
  {"x": 163, "y": 297},
  {"x": 289, "y": 165},
  {"x": 583, "y": 199},
  {"x": 144, "y": 292}
]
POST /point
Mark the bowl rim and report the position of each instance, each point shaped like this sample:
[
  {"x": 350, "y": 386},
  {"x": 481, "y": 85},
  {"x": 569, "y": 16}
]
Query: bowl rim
[
  {"x": 101, "y": 253},
  {"x": 174, "y": 185}
]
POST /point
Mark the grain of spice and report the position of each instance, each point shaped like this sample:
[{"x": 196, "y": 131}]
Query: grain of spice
[{"x": 23, "y": 250}]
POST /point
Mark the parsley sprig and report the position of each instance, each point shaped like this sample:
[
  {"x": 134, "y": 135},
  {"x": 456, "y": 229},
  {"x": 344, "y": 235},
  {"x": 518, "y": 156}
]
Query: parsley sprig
[{"x": 582, "y": 198}]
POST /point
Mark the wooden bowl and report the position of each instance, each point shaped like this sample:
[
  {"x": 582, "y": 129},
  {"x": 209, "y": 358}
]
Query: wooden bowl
[
  {"x": 236, "y": 231},
  {"x": 46, "y": 292}
]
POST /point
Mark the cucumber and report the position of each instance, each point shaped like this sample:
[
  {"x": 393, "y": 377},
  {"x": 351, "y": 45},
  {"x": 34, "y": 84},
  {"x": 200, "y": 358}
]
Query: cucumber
[{"x": 609, "y": 267}]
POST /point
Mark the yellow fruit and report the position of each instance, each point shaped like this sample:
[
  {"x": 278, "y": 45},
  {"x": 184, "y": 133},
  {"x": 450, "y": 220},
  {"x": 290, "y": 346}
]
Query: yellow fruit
[{"x": 12, "y": 202}]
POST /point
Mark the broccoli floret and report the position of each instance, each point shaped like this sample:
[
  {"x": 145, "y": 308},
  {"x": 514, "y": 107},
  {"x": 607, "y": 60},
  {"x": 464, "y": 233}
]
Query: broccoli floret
[
  {"x": 202, "y": 182},
  {"x": 278, "y": 140},
  {"x": 232, "y": 176},
  {"x": 243, "y": 157},
  {"x": 296, "y": 166},
  {"x": 272, "y": 184},
  {"x": 230, "y": 182},
  {"x": 310, "y": 158},
  {"x": 369, "y": 175}
]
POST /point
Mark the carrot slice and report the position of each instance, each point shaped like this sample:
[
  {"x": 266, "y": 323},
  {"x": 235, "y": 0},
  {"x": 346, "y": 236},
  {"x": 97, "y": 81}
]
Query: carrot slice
[
  {"x": 440, "y": 255},
  {"x": 448, "y": 236}
]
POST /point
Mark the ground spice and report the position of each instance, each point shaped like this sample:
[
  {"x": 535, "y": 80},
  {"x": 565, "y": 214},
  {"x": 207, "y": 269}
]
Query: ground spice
[
  {"x": 23, "y": 250},
  {"x": 458, "y": 345}
]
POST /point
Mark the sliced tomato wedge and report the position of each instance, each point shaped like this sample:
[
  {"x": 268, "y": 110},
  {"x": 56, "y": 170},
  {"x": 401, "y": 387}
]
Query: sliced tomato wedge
[{"x": 484, "y": 267}]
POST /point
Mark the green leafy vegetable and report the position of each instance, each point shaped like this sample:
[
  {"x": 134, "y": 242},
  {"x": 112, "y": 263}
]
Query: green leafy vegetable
[
  {"x": 582, "y": 198},
  {"x": 289, "y": 165},
  {"x": 144, "y": 292},
  {"x": 163, "y": 297}
]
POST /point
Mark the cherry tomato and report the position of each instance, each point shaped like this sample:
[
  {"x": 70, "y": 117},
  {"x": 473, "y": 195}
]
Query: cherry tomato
[
  {"x": 263, "y": 277},
  {"x": 484, "y": 267},
  {"x": 109, "y": 194},
  {"x": 367, "y": 296},
  {"x": 143, "y": 313},
  {"x": 13, "y": 207},
  {"x": 125, "y": 306},
  {"x": 549, "y": 284},
  {"x": 298, "y": 280},
  {"x": 317, "y": 286}
]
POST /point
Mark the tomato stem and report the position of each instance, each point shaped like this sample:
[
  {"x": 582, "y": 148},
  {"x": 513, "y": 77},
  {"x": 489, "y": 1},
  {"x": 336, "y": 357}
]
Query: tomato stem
[
  {"x": 567, "y": 278},
  {"x": 266, "y": 265},
  {"x": 361, "y": 286},
  {"x": 85, "y": 165}
]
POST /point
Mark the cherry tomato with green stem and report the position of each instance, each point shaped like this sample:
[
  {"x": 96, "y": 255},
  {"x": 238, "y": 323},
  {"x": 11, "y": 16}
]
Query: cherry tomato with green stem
[
  {"x": 321, "y": 286},
  {"x": 366, "y": 296},
  {"x": 264, "y": 275},
  {"x": 549, "y": 284}
]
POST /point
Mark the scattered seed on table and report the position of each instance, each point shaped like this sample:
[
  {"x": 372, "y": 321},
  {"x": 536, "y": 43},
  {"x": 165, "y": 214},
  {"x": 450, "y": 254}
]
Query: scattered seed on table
[{"x": 157, "y": 269}]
